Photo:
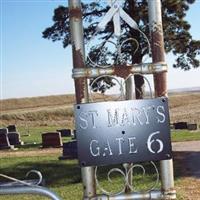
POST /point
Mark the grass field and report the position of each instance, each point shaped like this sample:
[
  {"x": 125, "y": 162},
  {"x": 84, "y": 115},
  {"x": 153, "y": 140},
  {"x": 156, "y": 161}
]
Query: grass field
[
  {"x": 32, "y": 136},
  {"x": 34, "y": 116},
  {"x": 58, "y": 110},
  {"x": 64, "y": 177},
  {"x": 184, "y": 135}
]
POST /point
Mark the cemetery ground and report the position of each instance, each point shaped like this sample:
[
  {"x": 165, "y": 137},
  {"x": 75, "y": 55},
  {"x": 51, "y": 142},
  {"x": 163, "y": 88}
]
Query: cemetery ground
[{"x": 34, "y": 116}]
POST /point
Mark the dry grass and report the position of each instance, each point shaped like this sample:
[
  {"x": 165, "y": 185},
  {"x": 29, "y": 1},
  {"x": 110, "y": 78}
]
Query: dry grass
[
  {"x": 36, "y": 102},
  {"x": 185, "y": 107},
  {"x": 58, "y": 110},
  {"x": 187, "y": 190}
]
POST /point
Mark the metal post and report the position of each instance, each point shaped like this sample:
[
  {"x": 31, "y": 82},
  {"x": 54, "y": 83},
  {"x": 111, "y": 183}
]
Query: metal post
[
  {"x": 76, "y": 28},
  {"x": 160, "y": 81},
  {"x": 34, "y": 190},
  {"x": 129, "y": 96},
  {"x": 129, "y": 88}
]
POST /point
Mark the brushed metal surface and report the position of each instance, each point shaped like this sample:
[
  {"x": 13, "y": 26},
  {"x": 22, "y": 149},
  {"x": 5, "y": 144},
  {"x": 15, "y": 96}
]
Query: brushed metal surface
[{"x": 123, "y": 131}]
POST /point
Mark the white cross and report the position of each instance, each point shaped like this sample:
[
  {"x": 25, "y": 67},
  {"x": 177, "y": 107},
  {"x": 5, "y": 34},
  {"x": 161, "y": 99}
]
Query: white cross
[{"x": 115, "y": 13}]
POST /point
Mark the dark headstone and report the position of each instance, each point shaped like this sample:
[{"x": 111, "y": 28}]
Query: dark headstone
[
  {"x": 51, "y": 139},
  {"x": 4, "y": 142},
  {"x": 180, "y": 125},
  {"x": 65, "y": 132},
  {"x": 192, "y": 127},
  {"x": 14, "y": 138},
  {"x": 12, "y": 128},
  {"x": 3, "y": 130},
  {"x": 69, "y": 150}
]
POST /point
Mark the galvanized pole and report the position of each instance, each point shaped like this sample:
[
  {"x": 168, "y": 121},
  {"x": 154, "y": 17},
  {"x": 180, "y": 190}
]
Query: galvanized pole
[
  {"x": 81, "y": 88},
  {"x": 129, "y": 88},
  {"x": 160, "y": 81},
  {"x": 129, "y": 96}
]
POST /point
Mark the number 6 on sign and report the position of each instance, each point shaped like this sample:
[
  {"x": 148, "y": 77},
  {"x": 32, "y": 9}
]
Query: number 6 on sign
[{"x": 150, "y": 141}]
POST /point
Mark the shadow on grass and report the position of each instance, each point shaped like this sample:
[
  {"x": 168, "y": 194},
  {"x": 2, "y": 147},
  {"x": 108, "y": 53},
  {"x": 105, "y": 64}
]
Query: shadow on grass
[
  {"x": 187, "y": 164},
  {"x": 28, "y": 146},
  {"x": 55, "y": 172},
  {"x": 61, "y": 173}
]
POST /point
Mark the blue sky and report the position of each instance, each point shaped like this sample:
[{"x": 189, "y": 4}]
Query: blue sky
[{"x": 33, "y": 66}]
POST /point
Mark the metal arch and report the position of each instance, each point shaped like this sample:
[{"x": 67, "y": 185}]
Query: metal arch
[
  {"x": 149, "y": 85},
  {"x": 121, "y": 96}
]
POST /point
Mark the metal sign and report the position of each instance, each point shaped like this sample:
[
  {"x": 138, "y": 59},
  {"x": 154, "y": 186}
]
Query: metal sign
[{"x": 123, "y": 132}]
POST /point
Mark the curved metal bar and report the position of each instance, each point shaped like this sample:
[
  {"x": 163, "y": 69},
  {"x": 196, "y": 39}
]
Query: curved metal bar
[
  {"x": 29, "y": 190},
  {"x": 38, "y": 174},
  {"x": 15, "y": 180},
  {"x": 143, "y": 174},
  {"x": 112, "y": 77},
  {"x": 116, "y": 170},
  {"x": 125, "y": 41},
  {"x": 149, "y": 85},
  {"x": 101, "y": 45}
]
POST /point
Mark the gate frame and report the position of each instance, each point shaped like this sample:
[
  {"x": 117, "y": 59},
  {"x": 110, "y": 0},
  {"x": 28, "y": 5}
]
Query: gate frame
[{"x": 159, "y": 71}]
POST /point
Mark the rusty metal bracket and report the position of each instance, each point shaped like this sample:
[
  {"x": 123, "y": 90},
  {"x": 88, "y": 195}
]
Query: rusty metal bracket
[{"x": 122, "y": 71}]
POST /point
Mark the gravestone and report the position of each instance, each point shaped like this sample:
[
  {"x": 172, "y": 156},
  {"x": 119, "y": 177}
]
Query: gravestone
[
  {"x": 14, "y": 138},
  {"x": 4, "y": 142},
  {"x": 192, "y": 127},
  {"x": 180, "y": 125},
  {"x": 3, "y": 130},
  {"x": 69, "y": 150},
  {"x": 65, "y": 132},
  {"x": 12, "y": 128},
  {"x": 51, "y": 139}
]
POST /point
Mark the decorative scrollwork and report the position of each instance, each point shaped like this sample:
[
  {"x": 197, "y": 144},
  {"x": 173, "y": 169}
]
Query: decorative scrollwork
[
  {"x": 22, "y": 182},
  {"x": 126, "y": 173},
  {"x": 101, "y": 48},
  {"x": 146, "y": 79},
  {"x": 99, "y": 85},
  {"x": 118, "y": 44},
  {"x": 38, "y": 173}
]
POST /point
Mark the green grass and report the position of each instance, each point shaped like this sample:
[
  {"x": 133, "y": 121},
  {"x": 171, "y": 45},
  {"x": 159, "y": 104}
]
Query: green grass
[
  {"x": 34, "y": 140},
  {"x": 184, "y": 135},
  {"x": 64, "y": 177},
  {"x": 61, "y": 176},
  {"x": 35, "y": 135},
  {"x": 32, "y": 137}
]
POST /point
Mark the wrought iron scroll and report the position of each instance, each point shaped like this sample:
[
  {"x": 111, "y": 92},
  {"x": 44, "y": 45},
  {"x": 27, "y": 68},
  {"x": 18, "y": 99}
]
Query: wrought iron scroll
[
  {"x": 16, "y": 181},
  {"x": 120, "y": 83},
  {"x": 98, "y": 83},
  {"x": 124, "y": 173}
]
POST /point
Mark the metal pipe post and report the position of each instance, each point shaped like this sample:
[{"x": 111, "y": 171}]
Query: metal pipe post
[
  {"x": 129, "y": 96},
  {"x": 160, "y": 81},
  {"x": 81, "y": 88},
  {"x": 28, "y": 190}
]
